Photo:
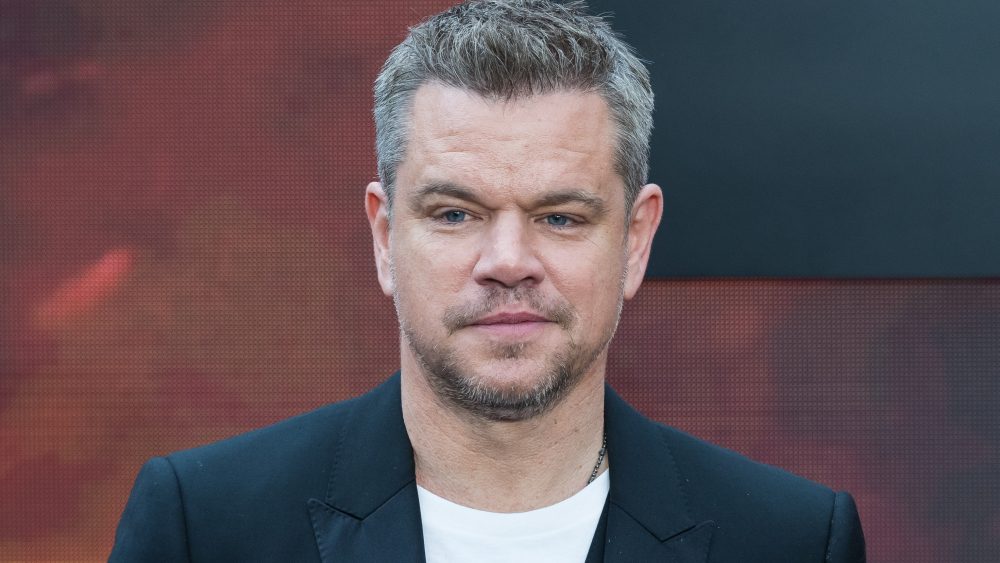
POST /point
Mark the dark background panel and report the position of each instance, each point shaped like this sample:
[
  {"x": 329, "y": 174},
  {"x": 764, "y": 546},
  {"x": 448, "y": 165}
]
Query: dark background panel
[
  {"x": 822, "y": 138},
  {"x": 184, "y": 256}
]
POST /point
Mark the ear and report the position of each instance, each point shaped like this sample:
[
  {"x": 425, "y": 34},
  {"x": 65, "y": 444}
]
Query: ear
[
  {"x": 646, "y": 213},
  {"x": 377, "y": 209}
]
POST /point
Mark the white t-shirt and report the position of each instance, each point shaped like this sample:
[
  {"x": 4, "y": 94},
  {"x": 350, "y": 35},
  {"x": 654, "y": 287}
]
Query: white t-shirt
[{"x": 558, "y": 533}]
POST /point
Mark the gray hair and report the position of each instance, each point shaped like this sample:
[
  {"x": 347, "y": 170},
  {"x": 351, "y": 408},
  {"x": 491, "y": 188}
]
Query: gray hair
[{"x": 506, "y": 49}]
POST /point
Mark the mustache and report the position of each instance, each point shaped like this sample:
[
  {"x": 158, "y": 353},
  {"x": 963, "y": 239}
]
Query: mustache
[{"x": 462, "y": 315}]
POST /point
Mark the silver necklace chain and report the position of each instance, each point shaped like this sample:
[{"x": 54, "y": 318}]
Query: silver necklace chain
[{"x": 600, "y": 459}]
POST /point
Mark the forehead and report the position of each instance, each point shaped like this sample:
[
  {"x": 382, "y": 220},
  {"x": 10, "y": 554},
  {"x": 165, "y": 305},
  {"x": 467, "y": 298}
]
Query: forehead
[{"x": 559, "y": 139}]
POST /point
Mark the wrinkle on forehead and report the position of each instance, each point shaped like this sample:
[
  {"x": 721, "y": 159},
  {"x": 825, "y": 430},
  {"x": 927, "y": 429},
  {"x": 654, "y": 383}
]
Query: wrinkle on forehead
[
  {"x": 562, "y": 137},
  {"x": 444, "y": 113}
]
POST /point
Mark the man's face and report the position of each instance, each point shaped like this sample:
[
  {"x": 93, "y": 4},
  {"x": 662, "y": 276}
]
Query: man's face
[{"x": 507, "y": 248}]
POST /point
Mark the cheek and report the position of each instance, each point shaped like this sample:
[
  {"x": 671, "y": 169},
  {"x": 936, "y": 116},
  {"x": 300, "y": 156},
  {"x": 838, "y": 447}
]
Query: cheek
[
  {"x": 590, "y": 282},
  {"x": 430, "y": 269}
]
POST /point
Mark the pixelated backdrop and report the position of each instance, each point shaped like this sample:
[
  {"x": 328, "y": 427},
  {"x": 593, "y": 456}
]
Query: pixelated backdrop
[{"x": 184, "y": 256}]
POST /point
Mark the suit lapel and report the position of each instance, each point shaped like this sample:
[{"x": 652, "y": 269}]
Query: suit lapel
[
  {"x": 649, "y": 518},
  {"x": 391, "y": 533},
  {"x": 371, "y": 511}
]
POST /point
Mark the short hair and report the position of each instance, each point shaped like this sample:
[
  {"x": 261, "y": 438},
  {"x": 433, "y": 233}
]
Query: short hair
[{"x": 508, "y": 49}]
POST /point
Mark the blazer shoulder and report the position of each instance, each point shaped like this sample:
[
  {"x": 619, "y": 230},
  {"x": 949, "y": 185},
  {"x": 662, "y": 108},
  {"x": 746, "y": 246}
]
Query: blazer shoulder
[
  {"x": 696, "y": 456},
  {"x": 311, "y": 433},
  {"x": 300, "y": 433},
  {"x": 295, "y": 453},
  {"x": 246, "y": 497},
  {"x": 755, "y": 504}
]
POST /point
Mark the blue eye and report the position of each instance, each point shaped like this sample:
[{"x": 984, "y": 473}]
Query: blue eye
[
  {"x": 557, "y": 220},
  {"x": 454, "y": 216}
]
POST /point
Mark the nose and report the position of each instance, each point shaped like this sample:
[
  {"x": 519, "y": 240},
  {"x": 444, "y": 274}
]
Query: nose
[{"x": 508, "y": 256}]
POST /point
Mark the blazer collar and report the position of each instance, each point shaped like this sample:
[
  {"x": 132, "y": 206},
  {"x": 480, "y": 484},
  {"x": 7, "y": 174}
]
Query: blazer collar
[
  {"x": 371, "y": 512},
  {"x": 649, "y": 517}
]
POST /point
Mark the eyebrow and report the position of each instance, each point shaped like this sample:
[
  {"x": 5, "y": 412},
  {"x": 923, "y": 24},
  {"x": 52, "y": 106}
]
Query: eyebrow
[
  {"x": 446, "y": 189},
  {"x": 587, "y": 199},
  {"x": 559, "y": 197}
]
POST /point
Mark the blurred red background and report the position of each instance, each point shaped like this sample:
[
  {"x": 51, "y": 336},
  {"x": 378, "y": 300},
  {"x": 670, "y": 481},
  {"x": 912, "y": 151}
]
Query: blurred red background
[{"x": 184, "y": 256}]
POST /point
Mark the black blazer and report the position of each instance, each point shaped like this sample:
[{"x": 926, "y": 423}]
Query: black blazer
[{"x": 337, "y": 484}]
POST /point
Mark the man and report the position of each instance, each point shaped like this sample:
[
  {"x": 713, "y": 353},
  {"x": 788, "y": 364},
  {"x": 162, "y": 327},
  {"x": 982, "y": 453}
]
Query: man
[{"x": 510, "y": 224}]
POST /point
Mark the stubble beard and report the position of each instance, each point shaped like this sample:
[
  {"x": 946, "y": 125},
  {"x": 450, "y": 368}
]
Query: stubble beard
[{"x": 482, "y": 397}]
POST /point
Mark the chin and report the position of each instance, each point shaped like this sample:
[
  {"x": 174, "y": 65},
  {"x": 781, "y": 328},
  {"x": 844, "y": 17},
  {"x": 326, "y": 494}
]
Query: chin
[
  {"x": 511, "y": 378},
  {"x": 505, "y": 389},
  {"x": 501, "y": 382}
]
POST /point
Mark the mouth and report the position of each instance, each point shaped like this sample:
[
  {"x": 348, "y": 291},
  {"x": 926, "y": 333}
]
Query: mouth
[
  {"x": 510, "y": 317},
  {"x": 511, "y": 324}
]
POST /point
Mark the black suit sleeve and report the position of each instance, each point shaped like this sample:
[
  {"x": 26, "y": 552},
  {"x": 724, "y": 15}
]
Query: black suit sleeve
[
  {"x": 152, "y": 527},
  {"x": 846, "y": 543}
]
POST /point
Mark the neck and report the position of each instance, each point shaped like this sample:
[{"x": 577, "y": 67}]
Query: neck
[{"x": 504, "y": 466}]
